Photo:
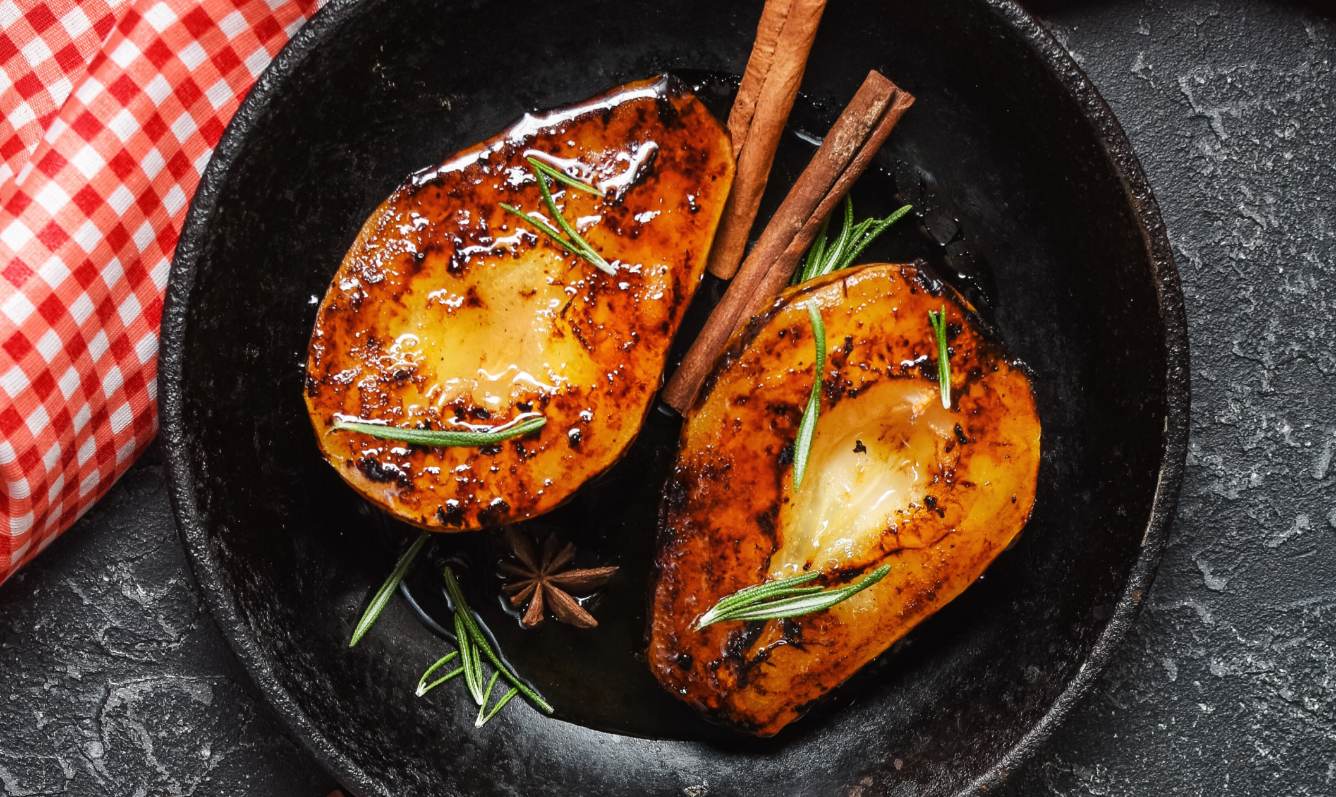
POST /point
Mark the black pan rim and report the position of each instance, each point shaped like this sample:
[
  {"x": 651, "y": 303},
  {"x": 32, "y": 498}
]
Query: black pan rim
[{"x": 206, "y": 569}]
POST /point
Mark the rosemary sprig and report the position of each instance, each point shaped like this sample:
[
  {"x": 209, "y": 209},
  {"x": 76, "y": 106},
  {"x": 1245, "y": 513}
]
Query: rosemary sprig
[
  {"x": 469, "y": 653},
  {"x": 484, "y": 713},
  {"x": 382, "y": 596},
  {"x": 802, "y": 444},
  {"x": 474, "y": 647},
  {"x": 568, "y": 237},
  {"x": 836, "y": 252},
  {"x": 826, "y": 255},
  {"x": 424, "y": 686},
  {"x": 561, "y": 177},
  {"x": 783, "y": 588},
  {"x": 775, "y": 600},
  {"x": 938, "y": 320},
  {"x": 443, "y": 438}
]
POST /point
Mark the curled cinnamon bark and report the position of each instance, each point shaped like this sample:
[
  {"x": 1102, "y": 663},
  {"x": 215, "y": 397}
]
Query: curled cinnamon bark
[
  {"x": 843, "y": 156},
  {"x": 756, "y": 122}
]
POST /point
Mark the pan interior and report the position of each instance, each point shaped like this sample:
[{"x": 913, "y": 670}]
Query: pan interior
[{"x": 1020, "y": 205}]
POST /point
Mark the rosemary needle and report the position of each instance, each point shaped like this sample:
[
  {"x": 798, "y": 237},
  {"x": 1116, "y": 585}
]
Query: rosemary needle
[
  {"x": 938, "y": 320},
  {"x": 561, "y": 177},
  {"x": 472, "y": 646},
  {"x": 776, "y": 600},
  {"x": 842, "y": 241},
  {"x": 763, "y": 590},
  {"x": 382, "y": 596},
  {"x": 573, "y": 235},
  {"x": 478, "y": 642},
  {"x": 486, "y": 696},
  {"x": 802, "y": 444},
  {"x": 826, "y": 255},
  {"x": 424, "y": 686},
  {"x": 500, "y": 704},
  {"x": 568, "y": 237},
  {"x": 484, "y": 714},
  {"x": 785, "y": 587},
  {"x": 869, "y": 231},
  {"x": 472, "y": 665},
  {"x": 439, "y": 438},
  {"x": 816, "y": 254}
]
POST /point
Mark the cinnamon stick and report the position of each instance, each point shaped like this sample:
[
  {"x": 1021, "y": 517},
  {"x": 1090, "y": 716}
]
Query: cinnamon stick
[
  {"x": 756, "y": 122},
  {"x": 843, "y": 156}
]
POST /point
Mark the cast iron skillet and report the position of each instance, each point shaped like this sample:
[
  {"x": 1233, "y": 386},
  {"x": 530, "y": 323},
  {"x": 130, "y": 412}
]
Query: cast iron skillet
[{"x": 1014, "y": 161}]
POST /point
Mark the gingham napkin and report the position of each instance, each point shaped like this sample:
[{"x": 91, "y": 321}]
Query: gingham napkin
[{"x": 110, "y": 109}]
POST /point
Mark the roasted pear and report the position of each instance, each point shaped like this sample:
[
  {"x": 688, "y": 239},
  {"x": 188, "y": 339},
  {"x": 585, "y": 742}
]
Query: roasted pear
[
  {"x": 893, "y": 478},
  {"x": 451, "y": 313}
]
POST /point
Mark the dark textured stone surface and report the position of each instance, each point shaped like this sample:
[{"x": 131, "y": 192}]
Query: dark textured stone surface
[
  {"x": 115, "y": 682},
  {"x": 1227, "y": 683}
]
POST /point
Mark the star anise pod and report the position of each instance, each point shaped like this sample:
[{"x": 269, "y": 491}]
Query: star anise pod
[{"x": 540, "y": 577}]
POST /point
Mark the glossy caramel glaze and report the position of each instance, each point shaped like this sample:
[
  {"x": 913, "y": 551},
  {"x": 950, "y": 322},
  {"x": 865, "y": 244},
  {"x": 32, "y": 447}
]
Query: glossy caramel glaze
[
  {"x": 449, "y": 313},
  {"x": 893, "y": 478}
]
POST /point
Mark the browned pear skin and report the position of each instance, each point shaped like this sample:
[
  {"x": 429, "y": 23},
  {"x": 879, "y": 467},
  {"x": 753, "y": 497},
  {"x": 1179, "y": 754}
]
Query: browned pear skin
[
  {"x": 893, "y": 478},
  {"x": 449, "y": 313}
]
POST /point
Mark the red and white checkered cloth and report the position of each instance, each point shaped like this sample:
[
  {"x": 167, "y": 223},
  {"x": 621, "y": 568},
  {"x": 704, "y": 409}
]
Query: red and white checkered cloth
[{"x": 110, "y": 110}]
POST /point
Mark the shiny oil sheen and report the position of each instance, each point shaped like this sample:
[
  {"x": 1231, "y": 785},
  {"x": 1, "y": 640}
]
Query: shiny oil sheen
[
  {"x": 449, "y": 313},
  {"x": 894, "y": 478}
]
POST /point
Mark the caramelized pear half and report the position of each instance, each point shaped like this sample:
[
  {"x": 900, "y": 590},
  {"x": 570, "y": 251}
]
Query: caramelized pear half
[
  {"x": 893, "y": 478},
  {"x": 450, "y": 313}
]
